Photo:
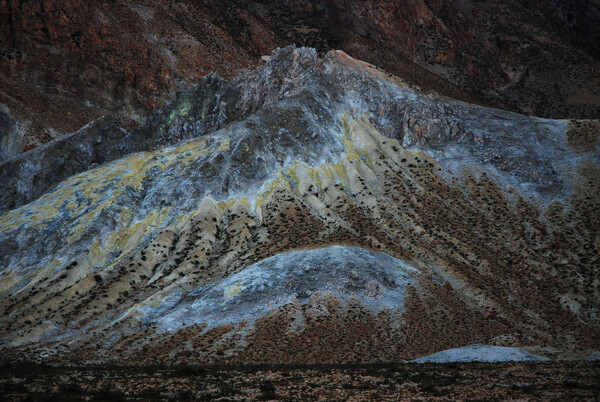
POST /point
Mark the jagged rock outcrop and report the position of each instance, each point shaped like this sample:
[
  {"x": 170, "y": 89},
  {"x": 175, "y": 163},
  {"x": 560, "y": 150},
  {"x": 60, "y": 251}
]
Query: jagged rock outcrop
[
  {"x": 536, "y": 57},
  {"x": 11, "y": 135},
  {"x": 335, "y": 214},
  {"x": 64, "y": 64},
  {"x": 423, "y": 121},
  {"x": 25, "y": 177},
  {"x": 204, "y": 109}
]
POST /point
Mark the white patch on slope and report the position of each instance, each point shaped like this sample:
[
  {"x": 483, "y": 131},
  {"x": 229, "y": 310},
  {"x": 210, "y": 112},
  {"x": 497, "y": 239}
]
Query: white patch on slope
[
  {"x": 375, "y": 279},
  {"x": 595, "y": 356},
  {"x": 480, "y": 353}
]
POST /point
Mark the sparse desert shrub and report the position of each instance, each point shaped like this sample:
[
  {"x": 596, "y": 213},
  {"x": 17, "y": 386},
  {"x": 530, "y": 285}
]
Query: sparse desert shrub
[{"x": 267, "y": 392}]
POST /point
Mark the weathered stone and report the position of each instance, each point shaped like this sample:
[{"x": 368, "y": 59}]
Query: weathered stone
[
  {"x": 301, "y": 230},
  {"x": 11, "y": 135}
]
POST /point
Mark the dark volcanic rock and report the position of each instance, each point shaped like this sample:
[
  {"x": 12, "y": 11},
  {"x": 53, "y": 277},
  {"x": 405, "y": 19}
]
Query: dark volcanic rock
[
  {"x": 31, "y": 174},
  {"x": 66, "y": 63},
  {"x": 204, "y": 109},
  {"x": 289, "y": 74}
]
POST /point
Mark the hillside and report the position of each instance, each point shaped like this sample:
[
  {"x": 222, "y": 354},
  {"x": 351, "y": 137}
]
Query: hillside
[
  {"x": 314, "y": 210},
  {"x": 66, "y": 63}
]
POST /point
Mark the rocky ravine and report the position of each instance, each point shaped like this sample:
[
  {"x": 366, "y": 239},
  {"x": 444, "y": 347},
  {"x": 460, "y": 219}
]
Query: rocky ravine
[{"x": 315, "y": 210}]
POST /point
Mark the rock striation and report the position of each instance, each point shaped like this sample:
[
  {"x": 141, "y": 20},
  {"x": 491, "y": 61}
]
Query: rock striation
[
  {"x": 316, "y": 210},
  {"x": 66, "y": 63}
]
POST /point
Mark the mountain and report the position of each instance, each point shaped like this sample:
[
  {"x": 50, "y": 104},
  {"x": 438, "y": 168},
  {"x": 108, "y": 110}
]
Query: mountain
[
  {"x": 66, "y": 63},
  {"x": 534, "y": 57},
  {"x": 314, "y": 210}
]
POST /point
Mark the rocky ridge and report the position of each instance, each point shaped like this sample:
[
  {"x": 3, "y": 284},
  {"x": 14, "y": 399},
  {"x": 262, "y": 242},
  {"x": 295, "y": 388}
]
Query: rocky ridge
[
  {"x": 534, "y": 57},
  {"x": 449, "y": 224},
  {"x": 130, "y": 58},
  {"x": 11, "y": 135},
  {"x": 66, "y": 63}
]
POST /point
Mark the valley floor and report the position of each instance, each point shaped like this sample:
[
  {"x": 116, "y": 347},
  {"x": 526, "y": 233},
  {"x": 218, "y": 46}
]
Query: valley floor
[{"x": 466, "y": 381}]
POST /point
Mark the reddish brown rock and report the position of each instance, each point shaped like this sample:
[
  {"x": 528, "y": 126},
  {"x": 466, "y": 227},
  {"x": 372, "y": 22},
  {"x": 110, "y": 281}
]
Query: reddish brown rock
[
  {"x": 537, "y": 57},
  {"x": 63, "y": 64}
]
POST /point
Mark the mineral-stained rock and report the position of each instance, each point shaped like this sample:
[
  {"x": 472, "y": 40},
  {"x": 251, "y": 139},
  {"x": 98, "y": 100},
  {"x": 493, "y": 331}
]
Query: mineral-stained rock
[
  {"x": 204, "y": 109},
  {"x": 314, "y": 210},
  {"x": 66, "y": 63},
  {"x": 27, "y": 176},
  {"x": 427, "y": 120}
]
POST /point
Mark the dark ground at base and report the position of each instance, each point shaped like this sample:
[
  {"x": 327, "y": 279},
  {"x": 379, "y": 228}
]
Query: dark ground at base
[{"x": 471, "y": 381}]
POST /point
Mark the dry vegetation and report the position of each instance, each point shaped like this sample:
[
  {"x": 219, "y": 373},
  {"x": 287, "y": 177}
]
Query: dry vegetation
[{"x": 530, "y": 381}]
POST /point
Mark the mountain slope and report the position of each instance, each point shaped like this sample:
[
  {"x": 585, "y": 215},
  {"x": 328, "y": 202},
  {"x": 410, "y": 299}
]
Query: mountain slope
[
  {"x": 66, "y": 63},
  {"x": 535, "y": 57},
  {"x": 445, "y": 225}
]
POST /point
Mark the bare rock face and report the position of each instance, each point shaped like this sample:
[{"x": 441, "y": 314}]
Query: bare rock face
[
  {"x": 534, "y": 57},
  {"x": 315, "y": 210},
  {"x": 66, "y": 63},
  {"x": 27, "y": 176},
  {"x": 196, "y": 112},
  {"x": 11, "y": 135},
  {"x": 425, "y": 121}
]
